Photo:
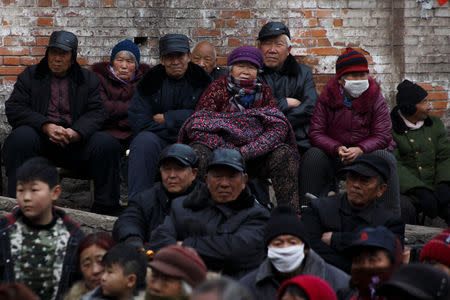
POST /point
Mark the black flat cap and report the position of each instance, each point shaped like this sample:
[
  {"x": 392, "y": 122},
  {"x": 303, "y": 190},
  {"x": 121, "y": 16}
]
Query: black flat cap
[
  {"x": 64, "y": 40},
  {"x": 227, "y": 157},
  {"x": 173, "y": 43},
  {"x": 369, "y": 165},
  {"x": 181, "y": 152},
  {"x": 272, "y": 29}
]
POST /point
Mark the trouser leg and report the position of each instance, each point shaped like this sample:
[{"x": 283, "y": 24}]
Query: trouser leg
[{"x": 143, "y": 161}]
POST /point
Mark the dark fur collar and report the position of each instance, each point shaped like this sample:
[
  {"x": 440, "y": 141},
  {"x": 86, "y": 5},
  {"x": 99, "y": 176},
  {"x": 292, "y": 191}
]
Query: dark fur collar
[
  {"x": 102, "y": 68},
  {"x": 74, "y": 73},
  {"x": 201, "y": 198},
  {"x": 151, "y": 82},
  {"x": 399, "y": 126},
  {"x": 289, "y": 68},
  {"x": 332, "y": 97}
]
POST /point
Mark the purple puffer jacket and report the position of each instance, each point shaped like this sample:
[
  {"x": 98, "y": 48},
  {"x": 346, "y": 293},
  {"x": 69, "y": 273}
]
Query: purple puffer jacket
[{"x": 366, "y": 123}]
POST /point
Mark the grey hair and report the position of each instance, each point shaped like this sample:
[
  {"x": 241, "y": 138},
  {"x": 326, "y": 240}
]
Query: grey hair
[
  {"x": 186, "y": 288},
  {"x": 288, "y": 41},
  {"x": 225, "y": 288},
  {"x": 130, "y": 54}
]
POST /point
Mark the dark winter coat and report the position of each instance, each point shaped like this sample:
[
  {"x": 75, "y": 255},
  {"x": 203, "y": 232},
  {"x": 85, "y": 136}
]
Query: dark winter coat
[
  {"x": 116, "y": 96},
  {"x": 29, "y": 101},
  {"x": 365, "y": 124},
  {"x": 70, "y": 271},
  {"x": 293, "y": 80},
  {"x": 253, "y": 132},
  {"x": 218, "y": 72},
  {"x": 423, "y": 155},
  {"x": 217, "y": 97},
  {"x": 264, "y": 285},
  {"x": 147, "y": 101},
  {"x": 228, "y": 238},
  {"x": 335, "y": 214},
  {"x": 145, "y": 212}
]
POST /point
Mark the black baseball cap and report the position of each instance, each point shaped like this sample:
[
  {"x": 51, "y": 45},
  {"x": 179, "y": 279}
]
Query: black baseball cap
[
  {"x": 272, "y": 29},
  {"x": 227, "y": 157},
  {"x": 369, "y": 165},
  {"x": 171, "y": 43},
  {"x": 419, "y": 281},
  {"x": 181, "y": 152},
  {"x": 378, "y": 237}
]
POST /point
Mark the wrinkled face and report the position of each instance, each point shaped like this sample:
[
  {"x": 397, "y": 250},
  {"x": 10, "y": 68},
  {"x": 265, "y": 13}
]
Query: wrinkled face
[
  {"x": 36, "y": 199},
  {"x": 203, "y": 55},
  {"x": 423, "y": 109},
  {"x": 244, "y": 70},
  {"x": 114, "y": 282},
  {"x": 371, "y": 258},
  {"x": 124, "y": 66},
  {"x": 225, "y": 184},
  {"x": 275, "y": 51},
  {"x": 164, "y": 285},
  {"x": 362, "y": 190},
  {"x": 284, "y": 241},
  {"x": 176, "y": 177},
  {"x": 59, "y": 61},
  {"x": 91, "y": 265},
  {"x": 176, "y": 64}
]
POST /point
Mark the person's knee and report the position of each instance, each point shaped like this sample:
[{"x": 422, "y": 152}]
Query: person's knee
[
  {"x": 314, "y": 157},
  {"x": 23, "y": 137},
  {"x": 145, "y": 140},
  {"x": 105, "y": 144}
]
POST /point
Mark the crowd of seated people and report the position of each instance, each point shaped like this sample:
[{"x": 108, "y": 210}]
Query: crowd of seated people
[{"x": 199, "y": 137}]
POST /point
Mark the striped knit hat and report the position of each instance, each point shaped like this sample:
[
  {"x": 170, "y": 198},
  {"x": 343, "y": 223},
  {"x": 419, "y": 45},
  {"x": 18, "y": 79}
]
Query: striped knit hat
[
  {"x": 351, "y": 61},
  {"x": 438, "y": 248}
]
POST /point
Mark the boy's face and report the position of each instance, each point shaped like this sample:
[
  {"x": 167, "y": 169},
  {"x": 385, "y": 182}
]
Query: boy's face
[
  {"x": 115, "y": 283},
  {"x": 36, "y": 200}
]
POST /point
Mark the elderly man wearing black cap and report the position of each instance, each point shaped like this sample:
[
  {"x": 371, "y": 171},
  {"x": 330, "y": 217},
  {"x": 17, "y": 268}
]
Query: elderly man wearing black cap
[
  {"x": 55, "y": 110},
  {"x": 164, "y": 98},
  {"x": 333, "y": 222},
  {"x": 289, "y": 255},
  {"x": 147, "y": 210},
  {"x": 291, "y": 82},
  {"x": 423, "y": 155},
  {"x": 223, "y": 222}
]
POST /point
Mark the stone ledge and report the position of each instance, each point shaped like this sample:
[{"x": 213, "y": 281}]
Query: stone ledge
[{"x": 91, "y": 222}]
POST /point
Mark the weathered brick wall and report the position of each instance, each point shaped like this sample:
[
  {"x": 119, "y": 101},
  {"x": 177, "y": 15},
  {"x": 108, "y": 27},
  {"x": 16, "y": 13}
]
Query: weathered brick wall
[{"x": 398, "y": 42}]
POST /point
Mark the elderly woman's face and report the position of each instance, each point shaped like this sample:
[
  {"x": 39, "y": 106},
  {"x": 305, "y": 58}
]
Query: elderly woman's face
[
  {"x": 244, "y": 70},
  {"x": 124, "y": 66},
  {"x": 91, "y": 265}
]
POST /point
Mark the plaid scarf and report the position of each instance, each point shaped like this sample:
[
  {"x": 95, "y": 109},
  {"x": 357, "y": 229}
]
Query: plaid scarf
[{"x": 244, "y": 92}]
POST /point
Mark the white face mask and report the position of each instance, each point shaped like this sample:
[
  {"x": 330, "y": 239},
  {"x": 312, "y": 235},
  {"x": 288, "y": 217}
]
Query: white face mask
[
  {"x": 287, "y": 259},
  {"x": 356, "y": 87}
]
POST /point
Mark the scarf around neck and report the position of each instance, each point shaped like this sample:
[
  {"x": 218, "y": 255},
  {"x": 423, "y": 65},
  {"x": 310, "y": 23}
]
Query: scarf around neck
[{"x": 244, "y": 92}]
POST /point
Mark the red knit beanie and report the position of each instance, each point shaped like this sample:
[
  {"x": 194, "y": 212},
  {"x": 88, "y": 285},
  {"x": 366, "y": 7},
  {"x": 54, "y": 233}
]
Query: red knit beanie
[
  {"x": 181, "y": 262},
  {"x": 438, "y": 248},
  {"x": 314, "y": 287},
  {"x": 351, "y": 61}
]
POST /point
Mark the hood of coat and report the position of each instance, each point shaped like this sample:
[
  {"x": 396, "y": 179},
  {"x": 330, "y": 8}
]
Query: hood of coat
[
  {"x": 102, "y": 69},
  {"x": 290, "y": 67},
  {"x": 399, "y": 126},
  {"x": 74, "y": 72},
  {"x": 333, "y": 98},
  {"x": 201, "y": 198},
  {"x": 152, "y": 80}
]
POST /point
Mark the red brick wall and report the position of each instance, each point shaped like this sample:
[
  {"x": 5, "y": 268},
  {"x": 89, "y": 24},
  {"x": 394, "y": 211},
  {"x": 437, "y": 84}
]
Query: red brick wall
[{"x": 398, "y": 43}]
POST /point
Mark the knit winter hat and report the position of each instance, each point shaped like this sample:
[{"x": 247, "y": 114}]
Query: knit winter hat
[
  {"x": 182, "y": 262},
  {"x": 314, "y": 287},
  {"x": 246, "y": 53},
  {"x": 284, "y": 220},
  {"x": 410, "y": 93},
  {"x": 438, "y": 248},
  {"x": 351, "y": 61},
  {"x": 126, "y": 45}
]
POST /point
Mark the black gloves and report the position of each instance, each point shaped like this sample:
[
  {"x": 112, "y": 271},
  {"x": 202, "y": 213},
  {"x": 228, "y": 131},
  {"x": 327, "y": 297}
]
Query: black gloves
[{"x": 428, "y": 201}]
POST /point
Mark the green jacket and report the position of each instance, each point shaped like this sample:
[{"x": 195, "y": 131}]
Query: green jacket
[{"x": 423, "y": 155}]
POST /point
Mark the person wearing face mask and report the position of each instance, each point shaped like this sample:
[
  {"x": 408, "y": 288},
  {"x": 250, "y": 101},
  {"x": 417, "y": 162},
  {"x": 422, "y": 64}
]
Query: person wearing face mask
[
  {"x": 289, "y": 255},
  {"x": 376, "y": 254},
  {"x": 351, "y": 117}
]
